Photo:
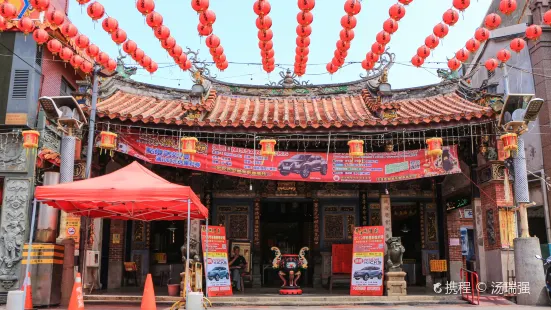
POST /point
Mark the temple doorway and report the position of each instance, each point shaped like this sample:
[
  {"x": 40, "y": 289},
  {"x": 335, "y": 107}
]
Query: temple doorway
[
  {"x": 406, "y": 224},
  {"x": 288, "y": 225}
]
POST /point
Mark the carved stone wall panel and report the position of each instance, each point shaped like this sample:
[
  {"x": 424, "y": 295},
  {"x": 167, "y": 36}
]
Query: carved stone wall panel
[
  {"x": 333, "y": 228},
  {"x": 238, "y": 226},
  {"x": 13, "y": 157},
  {"x": 13, "y": 231}
]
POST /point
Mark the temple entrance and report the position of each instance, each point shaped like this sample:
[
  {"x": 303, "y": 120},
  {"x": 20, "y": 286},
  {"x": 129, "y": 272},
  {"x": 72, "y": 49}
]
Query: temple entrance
[
  {"x": 288, "y": 225},
  {"x": 406, "y": 224}
]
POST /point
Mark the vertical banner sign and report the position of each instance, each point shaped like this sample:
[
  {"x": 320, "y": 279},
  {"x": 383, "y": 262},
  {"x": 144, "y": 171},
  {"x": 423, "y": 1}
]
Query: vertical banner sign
[
  {"x": 217, "y": 270},
  {"x": 368, "y": 261}
]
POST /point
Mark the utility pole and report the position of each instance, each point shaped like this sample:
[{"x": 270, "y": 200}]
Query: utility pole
[{"x": 92, "y": 121}]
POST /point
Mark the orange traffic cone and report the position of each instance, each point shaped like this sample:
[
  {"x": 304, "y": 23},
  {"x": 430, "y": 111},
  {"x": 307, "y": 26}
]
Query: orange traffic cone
[
  {"x": 29, "y": 295},
  {"x": 148, "y": 299},
  {"x": 77, "y": 301}
]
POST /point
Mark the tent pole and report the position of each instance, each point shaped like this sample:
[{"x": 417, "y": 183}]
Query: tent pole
[
  {"x": 207, "y": 257},
  {"x": 31, "y": 236},
  {"x": 187, "y": 246}
]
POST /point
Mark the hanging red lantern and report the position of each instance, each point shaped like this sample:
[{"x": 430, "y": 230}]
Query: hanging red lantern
[
  {"x": 267, "y": 54},
  {"x": 102, "y": 58},
  {"x": 461, "y": 5},
  {"x": 162, "y": 32},
  {"x": 138, "y": 55},
  {"x": 347, "y": 35},
  {"x": 55, "y": 17},
  {"x": 8, "y": 10},
  {"x": 207, "y": 17},
  {"x": 154, "y": 19},
  {"x": 83, "y": 2},
  {"x": 305, "y": 18},
  {"x": 54, "y": 46},
  {"x": 265, "y": 35},
  {"x": 65, "y": 54},
  {"x": 343, "y": 54},
  {"x": 119, "y": 36},
  {"x": 152, "y": 68},
  {"x": 224, "y": 65},
  {"x": 25, "y": 25},
  {"x": 30, "y": 139},
  {"x": 397, "y": 12},
  {"x": 76, "y": 61},
  {"x": 302, "y": 51},
  {"x": 451, "y": 17},
  {"x": 268, "y": 62},
  {"x": 96, "y": 10},
  {"x": 304, "y": 31},
  {"x": 69, "y": 30},
  {"x": 492, "y": 21},
  {"x": 301, "y": 59},
  {"x": 41, "y": 36},
  {"x": 491, "y": 64},
  {"x": 145, "y": 6},
  {"x": 432, "y": 41},
  {"x": 199, "y": 5},
  {"x": 504, "y": 55},
  {"x": 377, "y": 48},
  {"x": 262, "y": 7},
  {"x": 306, "y": 5},
  {"x": 263, "y": 22},
  {"x": 441, "y": 30},
  {"x": 129, "y": 47},
  {"x": 383, "y": 38},
  {"x": 534, "y": 32},
  {"x": 267, "y": 147},
  {"x": 176, "y": 51},
  {"x": 356, "y": 148},
  {"x": 40, "y": 5},
  {"x": 454, "y": 64},
  {"x": 186, "y": 65},
  {"x": 390, "y": 26},
  {"x": 265, "y": 45},
  {"x": 366, "y": 65},
  {"x": 417, "y": 61},
  {"x": 86, "y": 67},
  {"x": 110, "y": 25},
  {"x": 303, "y": 41},
  {"x": 204, "y": 30},
  {"x": 189, "y": 146},
  {"x": 482, "y": 34},
  {"x": 472, "y": 45},
  {"x": 349, "y": 22},
  {"x": 434, "y": 147},
  {"x": 111, "y": 65},
  {"x": 3, "y": 24},
  {"x": 517, "y": 45},
  {"x": 507, "y": 6},
  {"x": 423, "y": 52},
  {"x": 462, "y": 55},
  {"x": 108, "y": 142},
  {"x": 405, "y": 2},
  {"x": 181, "y": 59},
  {"x": 331, "y": 68},
  {"x": 352, "y": 7},
  {"x": 547, "y": 18},
  {"x": 168, "y": 43},
  {"x": 372, "y": 57},
  {"x": 213, "y": 41},
  {"x": 510, "y": 143},
  {"x": 343, "y": 45},
  {"x": 82, "y": 41},
  {"x": 337, "y": 62},
  {"x": 92, "y": 50},
  {"x": 146, "y": 61}
]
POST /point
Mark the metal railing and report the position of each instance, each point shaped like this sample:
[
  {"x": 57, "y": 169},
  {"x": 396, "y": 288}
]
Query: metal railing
[{"x": 472, "y": 294}]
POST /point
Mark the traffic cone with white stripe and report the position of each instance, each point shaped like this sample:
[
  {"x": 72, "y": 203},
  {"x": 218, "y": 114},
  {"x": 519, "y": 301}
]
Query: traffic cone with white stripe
[
  {"x": 29, "y": 295},
  {"x": 77, "y": 301}
]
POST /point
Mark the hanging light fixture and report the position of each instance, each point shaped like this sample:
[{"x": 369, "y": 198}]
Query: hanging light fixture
[
  {"x": 108, "y": 142},
  {"x": 405, "y": 229},
  {"x": 172, "y": 228},
  {"x": 356, "y": 148},
  {"x": 435, "y": 147},
  {"x": 510, "y": 143},
  {"x": 30, "y": 140},
  {"x": 189, "y": 146},
  {"x": 268, "y": 148}
]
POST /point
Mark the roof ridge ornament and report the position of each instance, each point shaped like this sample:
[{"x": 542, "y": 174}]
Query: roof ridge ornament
[
  {"x": 289, "y": 80},
  {"x": 381, "y": 68},
  {"x": 122, "y": 69}
]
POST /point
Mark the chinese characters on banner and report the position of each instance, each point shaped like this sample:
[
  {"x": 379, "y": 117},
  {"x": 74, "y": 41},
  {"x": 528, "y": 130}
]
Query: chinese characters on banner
[
  {"x": 217, "y": 270},
  {"x": 368, "y": 261}
]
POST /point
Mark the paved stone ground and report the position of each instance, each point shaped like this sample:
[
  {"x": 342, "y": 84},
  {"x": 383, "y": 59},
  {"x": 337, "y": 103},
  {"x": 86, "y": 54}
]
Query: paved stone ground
[{"x": 440, "y": 307}]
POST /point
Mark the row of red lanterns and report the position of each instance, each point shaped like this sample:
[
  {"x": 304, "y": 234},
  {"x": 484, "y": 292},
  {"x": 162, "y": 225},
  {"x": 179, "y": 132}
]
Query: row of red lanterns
[
  {"x": 390, "y": 26},
  {"x": 265, "y": 34},
  {"x": 207, "y": 18},
  {"x": 304, "y": 19},
  {"x": 348, "y": 22}
]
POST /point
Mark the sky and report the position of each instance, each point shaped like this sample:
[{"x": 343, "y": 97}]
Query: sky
[{"x": 235, "y": 26}]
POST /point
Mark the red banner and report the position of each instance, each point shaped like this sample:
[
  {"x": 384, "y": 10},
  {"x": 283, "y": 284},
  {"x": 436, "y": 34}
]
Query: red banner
[
  {"x": 216, "y": 270},
  {"x": 292, "y": 166},
  {"x": 368, "y": 261}
]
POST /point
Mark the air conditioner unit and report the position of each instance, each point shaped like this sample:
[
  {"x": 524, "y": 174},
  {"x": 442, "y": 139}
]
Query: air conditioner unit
[{"x": 92, "y": 259}]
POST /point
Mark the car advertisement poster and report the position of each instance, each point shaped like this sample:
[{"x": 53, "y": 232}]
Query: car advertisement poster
[
  {"x": 368, "y": 261},
  {"x": 291, "y": 166},
  {"x": 217, "y": 271}
]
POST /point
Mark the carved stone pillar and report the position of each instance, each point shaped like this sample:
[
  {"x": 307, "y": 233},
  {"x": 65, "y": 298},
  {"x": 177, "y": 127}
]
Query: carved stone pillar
[{"x": 386, "y": 216}]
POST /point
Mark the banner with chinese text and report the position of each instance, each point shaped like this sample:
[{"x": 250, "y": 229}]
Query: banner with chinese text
[
  {"x": 368, "y": 261},
  {"x": 217, "y": 271},
  {"x": 291, "y": 166}
]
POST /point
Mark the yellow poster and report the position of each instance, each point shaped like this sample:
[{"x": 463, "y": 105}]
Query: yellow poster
[
  {"x": 72, "y": 228},
  {"x": 507, "y": 228}
]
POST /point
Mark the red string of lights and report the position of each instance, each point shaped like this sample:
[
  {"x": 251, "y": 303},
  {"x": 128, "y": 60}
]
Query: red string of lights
[
  {"x": 265, "y": 34},
  {"x": 207, "y": 18},
  {"x": 304, "y": 19},
  {"x": 348, "y": 21}
]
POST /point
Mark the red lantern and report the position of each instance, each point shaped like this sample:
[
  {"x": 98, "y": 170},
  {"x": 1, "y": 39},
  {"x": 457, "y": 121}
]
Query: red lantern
[
  {"x": 110, "y": 25},
  {"x": 82, "y": 41},
  {"x": 302, "y": 51},
  {"x": 343, "y": 45},
  {"x": 268, "y": 62},
  {"x": 224, "y": 65},
  {"x": 300, "y": 58},
  {"x": 152, "y": 68},
  {"x": 25, "y": 25},
  {"x": 306, "y": 5},
  {"x": 86, "y": 67},
  {"x": 268, "y": 54},
  {"x": 69, "y": 30},
  {"x": 331, "y": 68},
  {"x": 435, "y": 147},
  {"x": 482, "y": 34},
  {"x": 3, "y": 24},
  {"x": 154, "y": 19},
  {"x": 111, "y": 65},
  {"x": 119, "y": 36},
  {"x": 372, "y": 57},
  {"x": 55, "y": 17},
  {"x": 265, "y": 45},
  {"x": 108, "y": 142},
  {"x": 129, "y": 47},
  {"x": 102, "y": 58},
  {"x": 207, "y": 17},
  {"x": 472, "y": 45},
  {"x": 54, "y": 46},
  {"x": 356, "y": 148},
  {"x": 40, "y": 36},
  {"x": 504, "y": 55},
  {"x": 432, "y": 41},
  {"x": 262, "y": 7},
  {"x": 145, "y": 6},
  {"x": 441, "y": 30},
  {"x": 92, "y": 50},
  {"x": 176, "y": 51},
  {"x": 423, "y": 52},
  {"x": 303, "y": 41},
  {"x": 343, "y": 54},
  {"x": 199, "y": 5},
  {"x": 366, "y": 65},
  {"x": 268, "y": 148},
  {"x": 8, "y": 10},
  {"x": 390, "y": 26},
  {"x": 181, "y": 59},
  {"x": 507, "y": 6},
  {"x": 347, "y": 35},
  {"x": 96, "y": 10},
  {"x": 189, "y": 146},
  {"x": 352, "y": 7},
  {"x": 454, "y": 64},
  {"x": 263, "y": 22},
  {"x": 204, "y": 30},
  {"x": 66, "y": 54},
  {"x": 76, "y": 61},
  {"x": 533, "y": 32},
  {"x": 83, "y": 2},
  {"x": 30, "y": 139},
  {"x": 349, "y": 22},
  {"x": 397, "y": 12},
  {"x": 547, "y": 18},
  {"x": 337, "y": 62},
  {"x": 461, "y": 5},
  {"x": 265, "y": 35},
  {"x": 212, "y": 41},
  {"x": 383, "y": 37},
  {"x": 169, "y": 43},
  {"x": 491, "y": 64},
  {"x": 517, "y": 45},
  {"x": 138, "y": 55},
  {"x": 405, "y": 2},
  {"x": 377, "y": 48},
  {"x": 40, "y": 5},
  {"x": 451, "y": 17},
  {"x": 305, "y": 18},
  {"x": 186, "y": 66},
  {"x": 510, "y": 143},
  {"x": 417, "y": 61},
  {"x": 162, "y": 32},
  {"x": 492, "y": 21},
  {"x": 304, "y": 31},
  {"x": 146, "y": 61},
  {"x": 462, "y": 55}
]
